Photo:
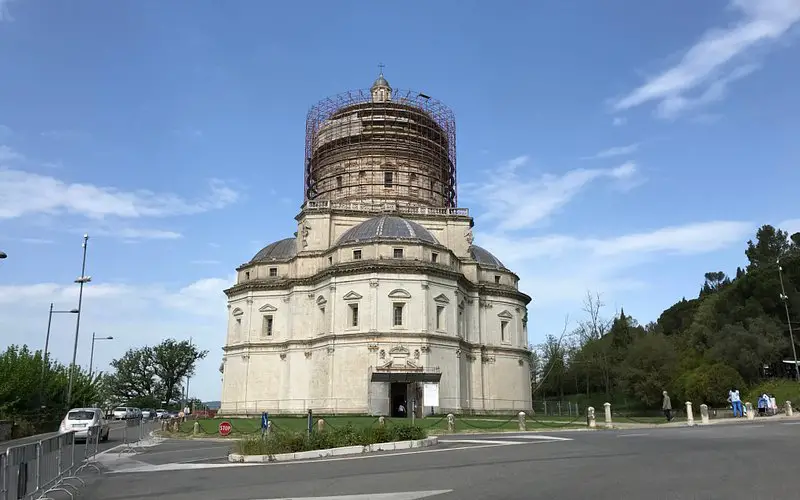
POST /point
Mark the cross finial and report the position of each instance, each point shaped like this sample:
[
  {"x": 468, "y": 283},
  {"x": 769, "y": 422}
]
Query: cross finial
[{"x": 381, "y": 66}]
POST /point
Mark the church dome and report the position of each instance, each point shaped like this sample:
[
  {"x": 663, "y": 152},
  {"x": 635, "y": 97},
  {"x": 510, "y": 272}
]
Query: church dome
[
  {"x": 387, "y": 227},
  {"x": 279, "y": 251},
  {"x": 485, "y": 258},
  {"x": 380, "y": 82}
]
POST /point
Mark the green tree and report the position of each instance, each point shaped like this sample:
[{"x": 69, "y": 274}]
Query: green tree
[
  {"x": 648, "y": 368},
  {"x": 771, "y": 244},
  {"x": 173, "y": 361}
]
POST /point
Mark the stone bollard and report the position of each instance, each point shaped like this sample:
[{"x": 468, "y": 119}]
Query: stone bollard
[
  {"x": 689, "y": 414},
  {"x": 607, "y": 407},
  {"x": 196, "y": 428},
  {"x": 451, "y": 422},
  {"x": 521, "y": 416},
  {"x": 321, "y": 425},
  {"x": 704, "y": 414},
  {"x": 382, "y": 421},
  {"x": 788, "y": 410},
  {"x": 590, "y": 418},
  {"x": 750, "y": 414}
]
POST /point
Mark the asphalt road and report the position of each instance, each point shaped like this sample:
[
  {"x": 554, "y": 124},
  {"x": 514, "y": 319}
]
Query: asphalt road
[
  {"x": 750, "y": 461},
  {"x": 115, "y": 437}
]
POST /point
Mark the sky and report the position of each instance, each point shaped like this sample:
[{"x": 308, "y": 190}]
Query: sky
[{"x": 619, "y": 148}]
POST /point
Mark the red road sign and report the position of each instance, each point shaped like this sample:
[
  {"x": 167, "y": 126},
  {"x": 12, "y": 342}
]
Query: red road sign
[{"x": 225, "y": 428}]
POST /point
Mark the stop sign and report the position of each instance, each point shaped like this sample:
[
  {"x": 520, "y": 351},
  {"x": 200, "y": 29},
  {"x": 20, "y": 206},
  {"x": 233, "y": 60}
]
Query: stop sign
[{"x": 225, "y": 428}]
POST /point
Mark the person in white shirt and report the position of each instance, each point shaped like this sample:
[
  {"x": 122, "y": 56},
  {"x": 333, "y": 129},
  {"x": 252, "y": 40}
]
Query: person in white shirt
[{"x": 736, "y": 402}]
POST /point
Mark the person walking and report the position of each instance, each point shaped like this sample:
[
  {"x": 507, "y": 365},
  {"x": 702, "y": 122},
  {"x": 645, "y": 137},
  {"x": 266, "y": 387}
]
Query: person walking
[
  {"x": 666, "y": 406},
  {"x": 736, "y": 402}
]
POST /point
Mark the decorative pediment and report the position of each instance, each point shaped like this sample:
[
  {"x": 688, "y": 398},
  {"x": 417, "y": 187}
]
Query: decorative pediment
[
  {"x": 401, "y": 365},
  {"x": 442, "y": 299},
  {"x": 351, "y": 295},
  {"x": 399, "y": 293},
  {"x": 506, "y": 315},
  {"x": 399, "y": 350},
  {"x": 267, "y": 308},
  {"x": 321, "y": 301},
  {"x": 237, "y": 312}
]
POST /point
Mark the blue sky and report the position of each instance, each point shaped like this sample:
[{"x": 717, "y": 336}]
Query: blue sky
[{"x": 620, "y": 147}]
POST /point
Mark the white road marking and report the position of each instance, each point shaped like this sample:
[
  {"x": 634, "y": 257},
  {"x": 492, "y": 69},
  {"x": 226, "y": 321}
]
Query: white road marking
[
  {"x": 400, "y": 495},
  {"x": 539, "y": 437},
  {"x": 633, "y": 435},
  {"x": 480, "y": 441},
  {"x": 791, "y": 423}
]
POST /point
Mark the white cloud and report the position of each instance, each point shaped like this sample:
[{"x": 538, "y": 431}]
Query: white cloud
[
  {"x": 791, "y": 226},
  {"x": 615, "y": 151},
  {"x": 514, "y": 200},
  {"x": 8, "y": 155},
  {"x": 25, "y": 193},
  {"x": 560, "y": 268},
  {"x": 618, "y": 121},
  {"x": 5, "y": 15},
  {"x": 135, "y": 315},
  {"x": 138, "y": 234},
  {"x": 707, "y": 64}
]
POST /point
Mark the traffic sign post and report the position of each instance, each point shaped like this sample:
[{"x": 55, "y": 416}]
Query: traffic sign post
[{"x": 225, "y": 428}]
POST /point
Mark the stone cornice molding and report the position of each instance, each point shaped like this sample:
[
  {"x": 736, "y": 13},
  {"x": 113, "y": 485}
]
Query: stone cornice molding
[{"x": 380, "y": 266}]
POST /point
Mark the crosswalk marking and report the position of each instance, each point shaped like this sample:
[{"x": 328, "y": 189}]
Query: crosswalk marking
[{"x": 400, "y": 495}]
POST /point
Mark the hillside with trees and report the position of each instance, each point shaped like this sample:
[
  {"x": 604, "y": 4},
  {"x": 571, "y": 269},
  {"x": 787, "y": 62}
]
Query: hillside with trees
[{"x": 734, "y": 333}]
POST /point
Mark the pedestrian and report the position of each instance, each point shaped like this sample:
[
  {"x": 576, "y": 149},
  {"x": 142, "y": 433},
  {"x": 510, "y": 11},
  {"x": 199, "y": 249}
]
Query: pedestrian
[
  {"x": 736, "y": 402},
  {"x": 666, "y": 405}
]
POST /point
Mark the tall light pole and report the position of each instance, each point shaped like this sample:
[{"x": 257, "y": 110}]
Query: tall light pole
[
  {"x": 91, "y": 356},
  {"x": 83, "y": 279},
  {"x": 785, "y": 300},
  {"x": 47, "y": 345}
]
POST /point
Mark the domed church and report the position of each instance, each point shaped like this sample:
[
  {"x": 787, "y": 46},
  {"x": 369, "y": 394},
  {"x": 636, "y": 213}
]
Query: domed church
[{"x": 380, "y": 303}]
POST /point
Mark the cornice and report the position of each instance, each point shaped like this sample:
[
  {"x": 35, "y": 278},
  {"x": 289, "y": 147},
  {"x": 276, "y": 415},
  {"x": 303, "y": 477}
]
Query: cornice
[{"x": 397, "y": 266}]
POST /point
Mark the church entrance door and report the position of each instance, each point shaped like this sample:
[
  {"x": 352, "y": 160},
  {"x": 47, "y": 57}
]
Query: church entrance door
[{"x": 398, "y": 396}]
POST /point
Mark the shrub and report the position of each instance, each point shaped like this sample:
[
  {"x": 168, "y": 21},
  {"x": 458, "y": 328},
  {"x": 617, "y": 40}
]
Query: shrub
[
  {"x": 710, "y": 384},
  {"x": 347, "y": 435}
]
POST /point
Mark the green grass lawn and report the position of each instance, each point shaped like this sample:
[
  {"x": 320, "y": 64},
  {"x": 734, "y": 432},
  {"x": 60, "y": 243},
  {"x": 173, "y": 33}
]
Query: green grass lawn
[{"x": 434, "y": 424}]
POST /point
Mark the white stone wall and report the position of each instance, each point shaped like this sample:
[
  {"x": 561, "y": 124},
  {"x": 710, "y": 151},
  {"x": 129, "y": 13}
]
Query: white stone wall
[{"x": 316, "y": 358}]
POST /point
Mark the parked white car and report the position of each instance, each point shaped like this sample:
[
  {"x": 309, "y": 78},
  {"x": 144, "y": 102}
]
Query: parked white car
[
  {"x": 123, "y": 413},
  {"x": 160, "y": 413},
  {"x": 80, "y": 419}
]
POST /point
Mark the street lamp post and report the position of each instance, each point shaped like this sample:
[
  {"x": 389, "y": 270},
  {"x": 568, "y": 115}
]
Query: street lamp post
[
  {"x": 785, "y": 299},
  {"x": 83, "y": 279},
  {"x": 46, "y": 353},
  {"x": 91, "y": 356}
]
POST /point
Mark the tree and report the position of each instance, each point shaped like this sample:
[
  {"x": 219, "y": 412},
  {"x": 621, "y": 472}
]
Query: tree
[
  {"x": 648, "y": 368},
  {"x": 714, "y": 282},
  {"x": 149, "y": 375},
  {"x": 771, "y": 244},
  {"x": 173, "y": 361}
]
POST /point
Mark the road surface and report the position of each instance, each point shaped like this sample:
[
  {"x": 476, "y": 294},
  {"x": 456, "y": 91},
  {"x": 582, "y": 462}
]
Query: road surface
[{"x": 746, "y": 461}]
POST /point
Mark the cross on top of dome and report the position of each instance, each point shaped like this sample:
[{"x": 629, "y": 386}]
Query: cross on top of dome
[{"x": 381, "y": 90}]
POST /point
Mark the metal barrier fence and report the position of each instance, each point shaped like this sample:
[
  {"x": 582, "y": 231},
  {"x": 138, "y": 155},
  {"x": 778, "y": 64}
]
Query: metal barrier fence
[
  {"x": 133, "y": 434},
  {"x": 35, "y": 470}
]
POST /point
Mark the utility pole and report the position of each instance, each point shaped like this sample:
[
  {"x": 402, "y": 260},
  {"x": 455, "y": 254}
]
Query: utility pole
[
  {"x": 785, "y": 299},
  {"x": 186, "y": 399},
  {"x": 45, "y": 354},
  {"x": 81, "y": 281}
]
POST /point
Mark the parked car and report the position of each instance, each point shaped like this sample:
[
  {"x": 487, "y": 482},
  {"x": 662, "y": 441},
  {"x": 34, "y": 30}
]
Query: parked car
[
  {"x": 148, "y": 413},
  {"x": 80, "y": 419},
  {"x": 161, "y": 413},
  {"x": 122, "y": 413}
]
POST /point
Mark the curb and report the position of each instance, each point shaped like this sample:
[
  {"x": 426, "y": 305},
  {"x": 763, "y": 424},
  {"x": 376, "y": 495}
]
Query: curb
[{"x": 335, "y": 452}]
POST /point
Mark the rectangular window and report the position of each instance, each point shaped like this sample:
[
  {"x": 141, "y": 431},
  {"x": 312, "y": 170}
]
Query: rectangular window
[
  {"x": 503, "y": 331},
  {"x": 398, "y": 253},
  {"x": 330, "y": 261},
  {"x": 237, "y": 328},
  {"x": 273, "y": 272},
  {"x": 353, "y": 314},
  {"x": 398, "y": 315},
  {"x": 434, "y": 257},
  {"x": 339, "y": 181},
  {"x": 247, "y": 276},
  {"x": 356, "y": 254},
  {"x": 267, "y": 326},
  {"x": 387, "y": 179},
  {"x": 497, "y": 280},
  {"x": 439, "y": 317}
]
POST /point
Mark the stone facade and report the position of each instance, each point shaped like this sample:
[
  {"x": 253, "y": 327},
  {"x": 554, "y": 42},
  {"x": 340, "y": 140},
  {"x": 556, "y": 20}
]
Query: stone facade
[{"x": 342, "y": 321}]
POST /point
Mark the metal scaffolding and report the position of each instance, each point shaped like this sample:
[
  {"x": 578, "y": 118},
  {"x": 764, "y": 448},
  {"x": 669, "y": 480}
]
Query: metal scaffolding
[{"x": 401, "y": 150}]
